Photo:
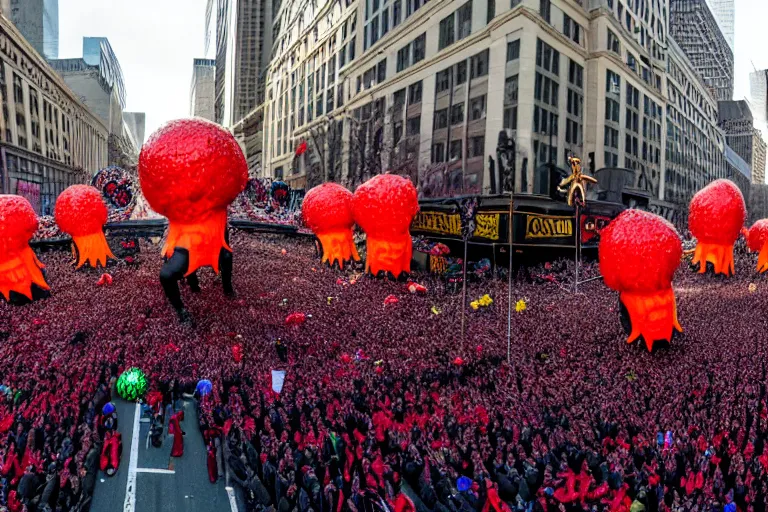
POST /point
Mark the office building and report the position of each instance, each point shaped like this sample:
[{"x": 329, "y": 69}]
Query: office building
[
  {"x": 242, "y": 51},
  {"x": 693, "y": 26},
  {"x": 426, "y": 89},
  {"x": 50, "y": 138},
  {"x": 725, "y": 14},
  {"x": 201, "y": 93},
  {"x": 98, "y": 80},
  {"x": 758, "y": 92},
  {"x": 38, "y": 21}
]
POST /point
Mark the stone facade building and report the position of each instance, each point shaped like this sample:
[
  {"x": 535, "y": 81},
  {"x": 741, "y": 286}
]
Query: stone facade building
[
  {"x": 426, "y": 89},
  {"x": 49, "y": 139},
  {"x": 202, "y": 90},
  {"x": 97, "y": 79}
]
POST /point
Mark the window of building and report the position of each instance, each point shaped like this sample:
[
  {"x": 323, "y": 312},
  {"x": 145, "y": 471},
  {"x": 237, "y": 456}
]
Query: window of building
[
  {"x": 447, "y": 32},
  {"x": 438, "y": 152},
  {"x": 461, "y": 72},
  {"x": 547, "y": 57},
  {"x": 457, "y": 114},
  {"x": 384, "y": 21},
  {"x": 441, "y": 119},
  {"x": 575, "y": 74},
  {"x": 477, "y": 146},
  {"x": 443, "y": 80},
  {"x": 403, "y": 58},
  {"x": 413, "y": 126},
  {"x": 513, "y": 50},
  {"x": 477, "y": 106},
  {"x": 510, "y": 117},
  {"x": 613, "y": 43},
  {"x": 381, "y": 71},
  {"x": 612, "y": 83},
  {"x": 491, "y": 12},
  {"x": 611, "y": 110},
  {"x": 456, "y": 152},
  {"x": 464, "y": 15},
  {"x": 545, "y": 10},
  {"x": 510, "y": 89},
  {"x": 419, "y": 48},
  {"x": 414, "y": 93},
  {"x": 396, "y": 13},
  {"x": 479, "y": 64}
]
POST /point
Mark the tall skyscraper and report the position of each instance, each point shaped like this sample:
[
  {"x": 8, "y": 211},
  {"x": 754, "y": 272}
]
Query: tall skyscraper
[
  {"x": 243, "y": 46},
  {"x": 758, "y": 90},
  {"x": 725, "y": 14},
  {"x": 201, "y": 93},
  {"x": 694, "y": 28},
  {"x": 38, "y": 21}
]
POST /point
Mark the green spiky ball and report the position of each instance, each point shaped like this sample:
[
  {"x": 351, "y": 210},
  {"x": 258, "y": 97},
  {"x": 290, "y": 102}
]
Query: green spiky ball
[{"x": 132, "y": 385}]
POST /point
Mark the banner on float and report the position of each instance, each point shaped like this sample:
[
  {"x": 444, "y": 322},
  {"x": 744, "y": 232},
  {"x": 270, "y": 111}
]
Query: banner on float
[{"x": 278, "y": 378}]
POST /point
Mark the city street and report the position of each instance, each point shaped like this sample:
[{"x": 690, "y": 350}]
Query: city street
[{"x": 149, "y": 480}]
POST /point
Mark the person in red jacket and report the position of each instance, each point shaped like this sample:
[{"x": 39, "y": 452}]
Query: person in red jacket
[
  {"x": 174, "y": 427},
  {"x": 213, "y": 471},
  {"x": 110, "y": 452}
]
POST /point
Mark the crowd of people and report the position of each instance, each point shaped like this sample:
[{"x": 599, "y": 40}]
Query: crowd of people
[{"x": 385, "y": 406}]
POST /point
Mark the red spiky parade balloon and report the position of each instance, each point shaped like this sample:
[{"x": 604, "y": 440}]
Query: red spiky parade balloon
[
  {"x": 20, "y": 267},
  {"x": 327, "y": 211},
  {"x": 81, "y": 213},
  {"x": 639, "y": 253},
  {"x": 757, "y": 241},
  {"x": 190, "y": 171},
  {"x": 384, "y": 208},
  {"x": 715, "y": 217}
]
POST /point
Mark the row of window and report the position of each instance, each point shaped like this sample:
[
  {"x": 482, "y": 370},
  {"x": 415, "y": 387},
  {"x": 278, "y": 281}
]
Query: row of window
[{"x": 455, "y": 153}]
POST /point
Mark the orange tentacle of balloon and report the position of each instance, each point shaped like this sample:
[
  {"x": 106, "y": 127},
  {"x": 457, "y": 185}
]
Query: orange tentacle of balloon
[
  {"x": 652, "y": 315},
  {"x": 19, "y": 266},
  {"x": 203, "y": 239}
]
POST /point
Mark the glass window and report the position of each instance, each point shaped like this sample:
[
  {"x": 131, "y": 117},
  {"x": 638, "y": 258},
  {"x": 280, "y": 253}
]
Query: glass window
[
  {"x": 464, "y": 13},
  {"x": 447, "y": 32},
  {"x": 513, "y": 50},
  {"x": 414, "y": 93},
  {"x": 419, "y": 48},
  {"x": 480, "y": 64},
  {"x": 457, "y": 114}
]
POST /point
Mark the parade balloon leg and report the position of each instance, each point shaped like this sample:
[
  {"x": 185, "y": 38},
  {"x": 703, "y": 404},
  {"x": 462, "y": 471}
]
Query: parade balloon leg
[
  {"x": 651, "y": 315},
  {"x": 22, "y": 276},
  {"x": 92, "y": 249},
  {"x": 174, "y": 270},
  {"x": 393, "y": 254},
  {"x": 338, "y": 246},
  {"x": 719, "y": 255}
]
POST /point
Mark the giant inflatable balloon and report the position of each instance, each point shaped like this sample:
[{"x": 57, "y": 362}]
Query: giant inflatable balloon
[
  {"x": 639, "y": 253},
  {"x": 190, "y": 171},
  {"x": 757, "y": 241},
  {"x": 80, "y": 212},
  {"x": 715, "y": 217},
  {"x": 384, "y": 208},
  {"x": 20, "y": 269},
  {"x": 327, "y": 211}
]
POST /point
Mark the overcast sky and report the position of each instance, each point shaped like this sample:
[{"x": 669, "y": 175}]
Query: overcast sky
[{"x": 155, "y": 42}]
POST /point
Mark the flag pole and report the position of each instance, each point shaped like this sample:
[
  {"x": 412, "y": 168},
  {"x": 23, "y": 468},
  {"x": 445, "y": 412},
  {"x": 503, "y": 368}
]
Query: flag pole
[{"x": 509, "y": 278}]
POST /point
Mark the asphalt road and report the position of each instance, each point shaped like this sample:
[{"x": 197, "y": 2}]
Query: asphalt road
[{"x": 162, "y": 483}]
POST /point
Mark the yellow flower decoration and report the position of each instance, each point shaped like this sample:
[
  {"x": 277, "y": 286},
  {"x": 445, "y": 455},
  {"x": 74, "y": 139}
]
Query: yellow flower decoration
[
  {"x": 752, "y": 287},
  {"x": 485, "y": 300},
  {"x": 436, "y": 310},
  {"x": 520, "y": 306},
  {"x": 329, "y": 300},
  {"x": 475, "y": 304}
]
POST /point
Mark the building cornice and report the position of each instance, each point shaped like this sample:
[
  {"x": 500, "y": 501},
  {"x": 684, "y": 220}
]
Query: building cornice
[{"x": 37, "y": 70}]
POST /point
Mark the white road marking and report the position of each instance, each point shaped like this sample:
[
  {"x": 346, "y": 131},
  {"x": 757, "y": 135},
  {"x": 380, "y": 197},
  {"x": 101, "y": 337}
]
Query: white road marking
[
  {"x": 232, "y": 500},
  {"x": 156, "y": 470},
  {"x": 130, "y": 487}
]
